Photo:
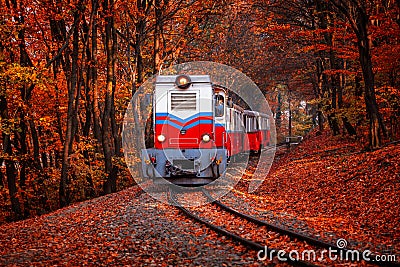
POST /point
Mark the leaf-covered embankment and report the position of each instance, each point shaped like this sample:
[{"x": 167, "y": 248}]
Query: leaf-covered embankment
[{"x": 340, "y": 190}]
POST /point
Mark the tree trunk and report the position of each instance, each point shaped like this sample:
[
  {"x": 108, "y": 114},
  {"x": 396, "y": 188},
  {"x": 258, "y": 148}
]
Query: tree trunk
[
  {"x": 21, "y": 146},
  {"x": 44, "y": 156},
  {"x": 11, "y": 171},
  {"x": 142, "y": 6},
  {"x": 356, "y": 13},
  {"x": 157, "y": 36},
  {"x": 35, "y": 142},
  {"x": 116, "y": 128},
  {"x": 73, "y": 98},
  {"x": 93, "y": 75},
  {"x": 20, "y": 135},
  {"x": 318, "y": 92},
  {"x": 375, "y": 120},
  {"x": 342, "y": 84},
  {"x": 278, "y": 119},
  {"x": 109, "y": 151},
  {"x": 320, "y": 117},
  {"x": 1, "y": 175}
]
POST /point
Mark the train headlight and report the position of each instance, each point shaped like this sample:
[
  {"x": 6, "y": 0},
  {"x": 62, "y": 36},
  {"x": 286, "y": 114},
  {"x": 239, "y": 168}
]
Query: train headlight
[
  {"x": 206, "y": 138},
  {"x": 183, "y": 81},
  {"x": 161, "y": 138}
]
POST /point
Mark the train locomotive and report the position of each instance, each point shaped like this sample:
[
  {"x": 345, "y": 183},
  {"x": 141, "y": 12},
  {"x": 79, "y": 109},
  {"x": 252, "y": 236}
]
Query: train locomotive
[{"x": 197, "y": 129}]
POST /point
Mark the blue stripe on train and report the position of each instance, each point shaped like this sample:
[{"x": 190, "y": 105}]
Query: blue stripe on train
[
  {"x": 193, "y": 124},
  {"x": 201, "y": 114}
]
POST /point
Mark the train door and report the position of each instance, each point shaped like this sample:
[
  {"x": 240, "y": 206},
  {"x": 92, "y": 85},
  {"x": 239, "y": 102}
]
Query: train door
[{"x": 220, "y": 118}]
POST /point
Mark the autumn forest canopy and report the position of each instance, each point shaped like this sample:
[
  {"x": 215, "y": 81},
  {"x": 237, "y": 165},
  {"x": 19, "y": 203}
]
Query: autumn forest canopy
[{"x": 68, "y": 70}]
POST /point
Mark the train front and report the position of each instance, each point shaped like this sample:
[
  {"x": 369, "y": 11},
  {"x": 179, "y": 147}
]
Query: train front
[{"x": 184, "y": 149}]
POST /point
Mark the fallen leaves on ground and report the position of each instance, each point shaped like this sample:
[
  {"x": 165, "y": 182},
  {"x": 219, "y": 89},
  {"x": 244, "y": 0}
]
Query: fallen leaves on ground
[
  {"x": 124, "y": 229},
  {"x": 338, "y": 189}
]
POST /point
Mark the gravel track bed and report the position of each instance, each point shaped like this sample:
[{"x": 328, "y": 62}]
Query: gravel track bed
[{"x": 122, "y": 229}]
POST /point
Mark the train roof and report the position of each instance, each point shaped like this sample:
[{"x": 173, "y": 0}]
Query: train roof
[
  {"x": 194, "y": 78},
  {"x": 254, "y": 113}
]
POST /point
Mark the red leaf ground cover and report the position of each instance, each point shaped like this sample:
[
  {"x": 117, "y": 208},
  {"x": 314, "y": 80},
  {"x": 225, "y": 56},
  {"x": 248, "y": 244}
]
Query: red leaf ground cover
[
  {"x": 338, "y": 189},
  {"x": 121, "y": 229}
]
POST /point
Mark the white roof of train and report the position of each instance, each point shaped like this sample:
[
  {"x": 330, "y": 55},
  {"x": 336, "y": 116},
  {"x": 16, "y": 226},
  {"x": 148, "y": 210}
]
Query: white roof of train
[
  {"x": 254, "y": 113},
  {"x": 194, "y": 78}
]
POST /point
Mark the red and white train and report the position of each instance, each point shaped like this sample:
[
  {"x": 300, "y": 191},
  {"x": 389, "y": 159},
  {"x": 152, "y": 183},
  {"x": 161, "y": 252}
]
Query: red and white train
[{"x": 197, "y": 130}]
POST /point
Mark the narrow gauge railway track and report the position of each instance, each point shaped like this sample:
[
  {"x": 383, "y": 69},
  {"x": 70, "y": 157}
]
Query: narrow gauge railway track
[
  {"x": 273, "y": 227},
  {"x": 374, "y": 258},
  {"x": 246, "y": 242},
  {"x": 298, "y": 236},
  {"x": 294, "y": 236}
]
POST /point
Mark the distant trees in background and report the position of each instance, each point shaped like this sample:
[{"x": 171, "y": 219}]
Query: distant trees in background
[
  {"x": 336, "y": 53},
  {"x": 69, "y": 68}
]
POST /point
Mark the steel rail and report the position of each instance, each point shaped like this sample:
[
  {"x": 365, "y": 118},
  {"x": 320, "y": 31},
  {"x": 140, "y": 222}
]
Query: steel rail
[
  {"x": 311, "y": 240},
  {"x": 246, "y": 242}
]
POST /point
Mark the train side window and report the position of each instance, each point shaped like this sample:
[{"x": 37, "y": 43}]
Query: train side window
[
  {"x": 251, "y": 124},
  {"x": 231, "y": 119},
  {"x": 257, "y": 125},
  {"x": 239, "y": 125},
  {"x": 228, "y": 119},
  {"x": 235, "y": 121},
  {"x": 239, "y": 121}
]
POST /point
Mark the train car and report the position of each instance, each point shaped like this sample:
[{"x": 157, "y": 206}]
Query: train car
[
  {"x": 252, "y": 130},
  {"x": 264, "y": 130},
  {"x": 257, "y": 130},
  {"x": 197, "y": 130},
  {"x": 184, "y": 123},
  {"x": 236, "y": 137}
]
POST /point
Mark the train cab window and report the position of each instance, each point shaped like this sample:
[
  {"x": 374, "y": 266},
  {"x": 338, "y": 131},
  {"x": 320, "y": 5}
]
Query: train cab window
[{"x": 219, "y": 106}]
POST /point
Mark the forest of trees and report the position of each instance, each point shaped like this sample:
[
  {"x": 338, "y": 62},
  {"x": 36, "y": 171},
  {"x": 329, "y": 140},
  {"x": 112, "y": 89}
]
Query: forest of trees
[{"x": 68, "y": 70}]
